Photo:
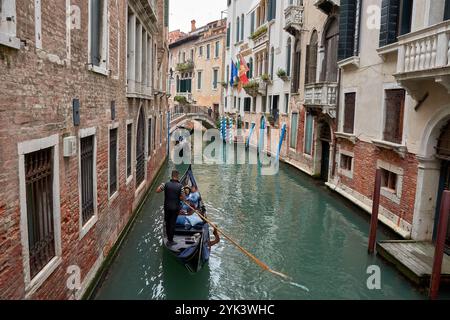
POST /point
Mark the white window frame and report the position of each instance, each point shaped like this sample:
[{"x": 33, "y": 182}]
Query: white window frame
[
  {"x": 112, "y": 126},
  {"x": 32, "y": 284},
  {"x": 8, "y": 24},
  {"x": 129, "y": 179},
  {"x": 342, "y": 171},
  {"x": 84, "y": 229},
  {"x": 103, "y": 68},
  {"x": 387, "y": 193}
]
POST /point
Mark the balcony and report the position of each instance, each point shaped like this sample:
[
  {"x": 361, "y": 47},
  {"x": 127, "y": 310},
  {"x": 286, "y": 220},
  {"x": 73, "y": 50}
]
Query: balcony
[
  {"x": 256, "y": 87},
  {"x": 322, "y": 96},
  {"x": 422, "y": 56},
  {"x": 293, "y": 19},
  {"x": 260, "y": 37},
  {"x": 184, "y": 98}
]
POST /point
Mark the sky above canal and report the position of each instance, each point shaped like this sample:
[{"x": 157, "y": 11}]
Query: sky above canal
[{"x": 202, "y": 11}]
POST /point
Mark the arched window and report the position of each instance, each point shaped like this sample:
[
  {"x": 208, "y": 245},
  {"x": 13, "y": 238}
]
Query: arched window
[
  {"x": 311, "y": 58},
  {"x": 288, "y": 57},
  {"x": 330, "y": 43}
]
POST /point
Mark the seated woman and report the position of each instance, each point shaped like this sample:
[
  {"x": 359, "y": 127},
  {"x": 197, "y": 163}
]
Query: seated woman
[{"x": 184, "y": 207}]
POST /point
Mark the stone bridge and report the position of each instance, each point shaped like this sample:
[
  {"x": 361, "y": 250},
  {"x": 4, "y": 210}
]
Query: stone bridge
[{"x": 180, "y": 115}]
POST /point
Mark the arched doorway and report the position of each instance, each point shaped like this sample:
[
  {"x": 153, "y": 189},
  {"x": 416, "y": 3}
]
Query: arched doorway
[
  {"x": 140, "y": 149},
  {"x": 443, "y": 153},
  {"x": 325, "y": 142}
]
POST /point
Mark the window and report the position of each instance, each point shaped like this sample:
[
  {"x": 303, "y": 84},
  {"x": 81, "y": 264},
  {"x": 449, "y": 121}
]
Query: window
[
  {"x": 228, "y": 35},
  {"x": 272, "y": 62},
  {"x": 161, "y": 128},
  {"x": 247, "y": 104},
  {"x": 346, "y": 162},
  {"x": 288, "y": 57},
  {"x": 297, "y": 66},
  {"x": 8, "y": 25},
  {"x": 98, "y": 28},
  {"x": 238, "y": 26},
  {"x": 140, "y": 149},
  {"x": 309, "y": 133},
  {"x": 286, "y": 103},
  {"x": 87, "y": 167},
  {"x": 250, "y": 68},
  {"x": 394, "y": 104},
  {"x": 246, "y": 125},
  {"x": 348, "y": 29},
  {"x": 208, "y": 51},
  {"x": 254, "y": 105},
  {"x": 239, "y": 104},
  {"x": 447, "y": 12},
  {"x": 192, "y": 55},
  {"x": 217, "y": 47},
  {"x": 263, "y": 104},
  {"x": 242, "y": 27},
  {"x": 215, "y": 78},
  {"x": 396, "y": 18},
  {"x": 272, "y": 10},
  {"x": 329, "y": 63},
  {"x": 39, "y": 191},
  {"x": 200, "y": 51},
  {"x": 389, "y": 180},
  {"x": 149, "y": 137},
  {"x": 234, "y": 103},
  {"x": 252, "y": 22},
  {"x": 349, "y": 112},
  {"x": 129, "y": 146},
  {"x": 113, "y": 163},
  {"x": 311, "y": 58},
  {"x": 227, "y": 79},
  {"x": 294, "y": 129},
  {"x": 199, "y": 80},
  {"x": 184, "y": 84}
]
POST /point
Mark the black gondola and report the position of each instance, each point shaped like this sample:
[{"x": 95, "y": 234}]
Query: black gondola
[{"x": 192, "y": 242}]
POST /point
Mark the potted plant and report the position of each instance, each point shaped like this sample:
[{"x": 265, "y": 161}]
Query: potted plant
[
  {"x": 266, "y": 78},
  {"x": 260, "y": 31},
  {"x": 181, "y": 100},
  {"x": 251, "y": 88},
  {"x": 282, "y": 74}
]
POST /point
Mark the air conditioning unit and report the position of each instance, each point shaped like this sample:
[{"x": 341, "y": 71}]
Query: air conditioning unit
[{"x": 70, "y": 146}]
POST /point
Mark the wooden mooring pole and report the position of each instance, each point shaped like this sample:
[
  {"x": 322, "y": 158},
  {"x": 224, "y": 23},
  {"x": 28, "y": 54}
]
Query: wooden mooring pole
[
  {"x": 440, "y": 245},
  {"x": 375, "y": 210}
]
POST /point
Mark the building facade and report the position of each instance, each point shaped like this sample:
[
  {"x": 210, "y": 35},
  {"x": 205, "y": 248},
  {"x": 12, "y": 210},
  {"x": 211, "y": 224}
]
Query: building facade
[
  {"x": 83, "y": 135},
  {"x": 196, "y": 65},
  {"x": 255, "y": 37}
]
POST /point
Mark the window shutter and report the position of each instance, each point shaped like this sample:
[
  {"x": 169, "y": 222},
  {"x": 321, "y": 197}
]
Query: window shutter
[
  {"x": 407, "y": 7},
  {"x": 166, "y": 13},
  {"x": 447, "y": 10},
  {"x": 242, "y": 27},
  {"x": 393, "y": 130},
  {"x": 288, "y": 58},
  {"x": 347, "y": 28},
  {"x": 349, "y": 113},
  {"x": 390, "y": 10},
  {"x": 228, "y": 35},
  {"x": 252, "y": 23},
  {"x": 308, "y": 63}
]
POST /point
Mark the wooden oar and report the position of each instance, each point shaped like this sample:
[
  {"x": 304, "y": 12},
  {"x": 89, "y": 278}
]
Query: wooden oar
[{"x": 264, "y": 266}]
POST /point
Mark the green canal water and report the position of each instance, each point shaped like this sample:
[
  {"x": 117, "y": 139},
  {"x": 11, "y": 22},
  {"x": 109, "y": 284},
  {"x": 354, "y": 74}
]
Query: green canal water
[{"x": 289, "y": 221}]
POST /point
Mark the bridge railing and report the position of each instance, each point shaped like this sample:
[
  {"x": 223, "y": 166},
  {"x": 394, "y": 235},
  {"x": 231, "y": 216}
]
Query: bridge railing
[{"x": 181, "y": 111}]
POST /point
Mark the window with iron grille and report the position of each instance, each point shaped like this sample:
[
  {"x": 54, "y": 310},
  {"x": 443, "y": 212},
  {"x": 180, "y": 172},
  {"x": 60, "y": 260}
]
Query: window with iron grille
[
  {"x": 129, "y": 143},
  {"x": 140, "y": 150},
  {"x": 149, "y": 137},
  {"x": 39, "y": 197},
  {"x": 87, "y": 178},
  {"x": 113, "y": 162},
  {"x": 349, "y": 112},
  {"x": 395, "y": 104}
]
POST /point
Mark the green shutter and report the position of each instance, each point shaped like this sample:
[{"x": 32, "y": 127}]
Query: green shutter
[
  {"x": 347, "y": 29},
  {"x": 308, "y": 133},
  {"x": 390, "y": 10},
  {"x": 166, "y": 13},
  {"x": 252, "y": 23}
]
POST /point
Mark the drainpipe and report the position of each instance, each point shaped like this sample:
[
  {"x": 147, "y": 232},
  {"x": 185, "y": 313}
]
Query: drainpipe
[{"x": 338, "y": 99}]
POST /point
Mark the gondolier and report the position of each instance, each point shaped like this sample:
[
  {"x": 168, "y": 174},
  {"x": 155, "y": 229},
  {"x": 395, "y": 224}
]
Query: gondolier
[{"x": 172, "y": 196}]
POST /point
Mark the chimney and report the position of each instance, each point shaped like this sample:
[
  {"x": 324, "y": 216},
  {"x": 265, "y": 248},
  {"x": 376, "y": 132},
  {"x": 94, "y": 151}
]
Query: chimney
[{"x": 193, "y": 27}]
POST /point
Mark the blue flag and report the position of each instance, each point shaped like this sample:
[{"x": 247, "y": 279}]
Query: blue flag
[{"x": 234, "y": 72}]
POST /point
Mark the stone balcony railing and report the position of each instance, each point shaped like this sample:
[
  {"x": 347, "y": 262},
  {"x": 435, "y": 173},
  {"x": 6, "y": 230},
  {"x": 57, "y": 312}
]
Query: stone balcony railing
[
  {"x": 293, "y": 19},
  {"x": 322, "y": 95},
  {"x": 424, "y": 55}
]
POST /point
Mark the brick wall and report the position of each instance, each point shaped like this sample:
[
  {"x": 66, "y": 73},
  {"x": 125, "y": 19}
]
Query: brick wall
[{"x": 37, "y": 88}]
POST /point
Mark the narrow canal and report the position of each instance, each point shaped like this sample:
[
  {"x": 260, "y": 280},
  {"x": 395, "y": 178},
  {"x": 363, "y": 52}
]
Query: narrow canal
[{"x": 289, "y": 221}]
